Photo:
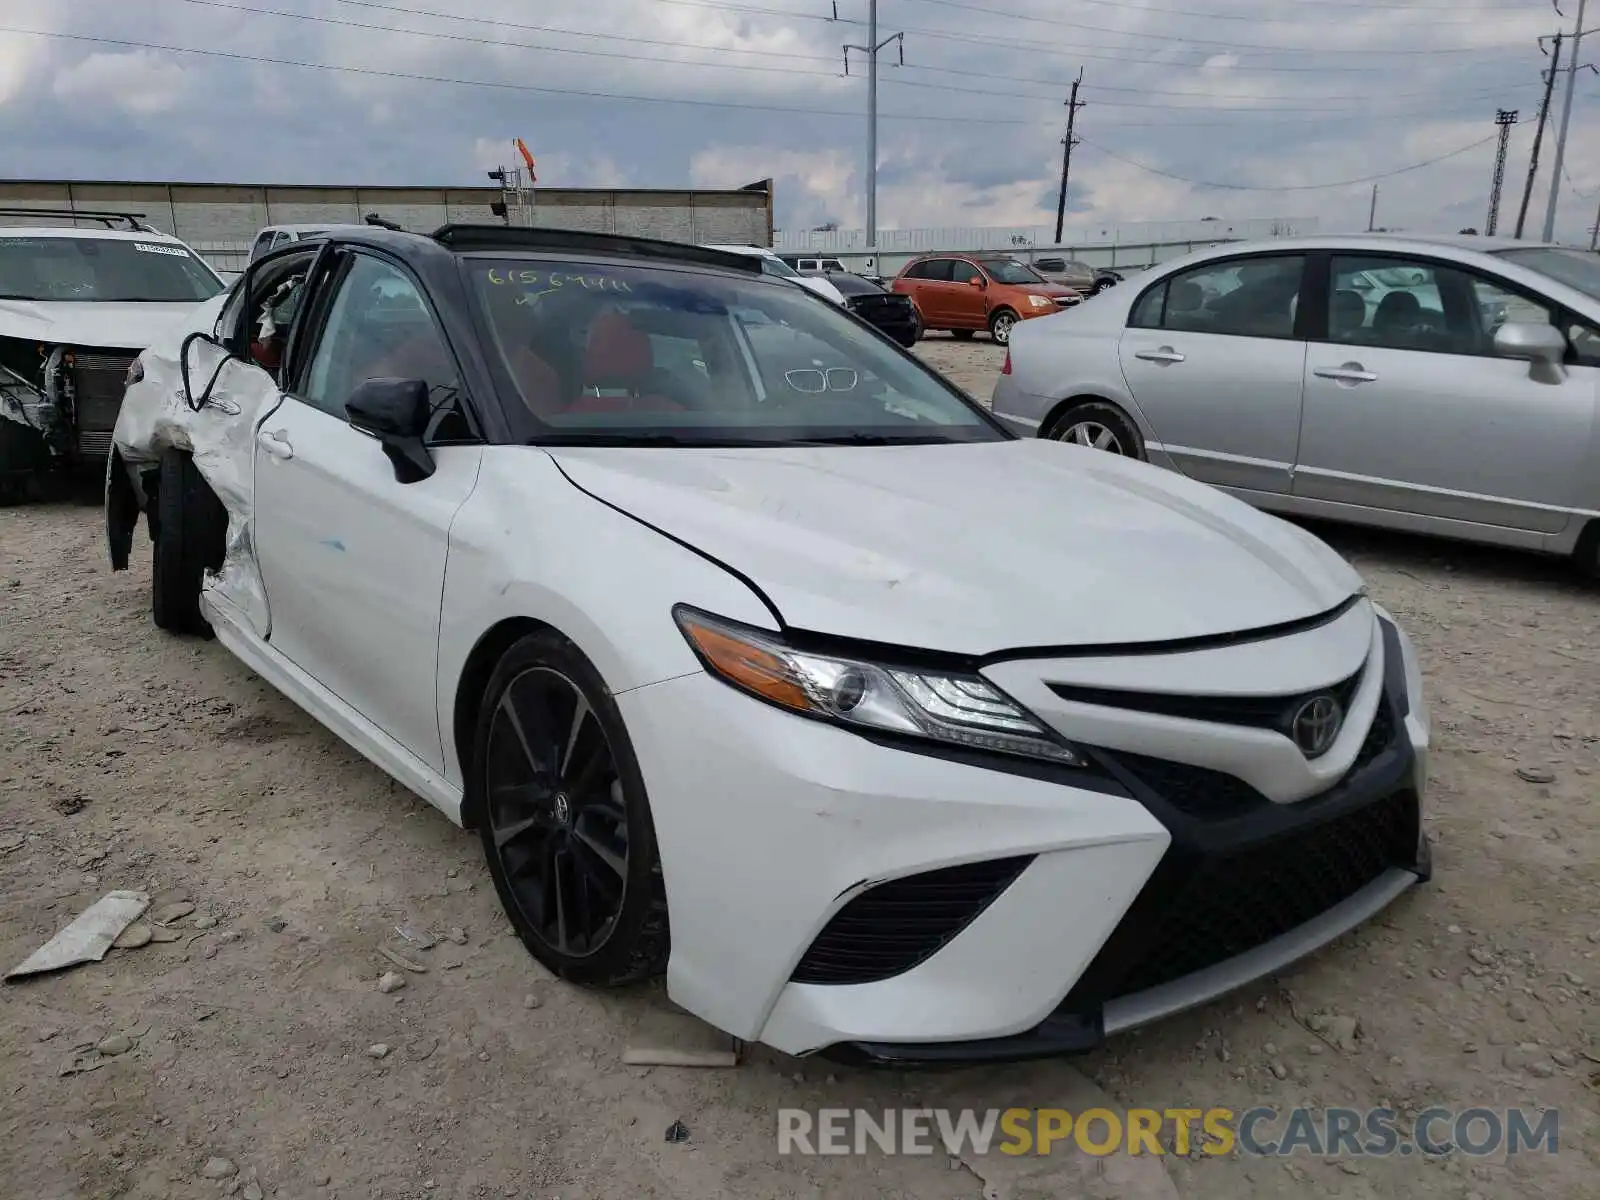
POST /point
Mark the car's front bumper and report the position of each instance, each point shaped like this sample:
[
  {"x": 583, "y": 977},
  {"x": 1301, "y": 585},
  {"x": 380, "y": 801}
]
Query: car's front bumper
[{"x": 829, "y": 892}]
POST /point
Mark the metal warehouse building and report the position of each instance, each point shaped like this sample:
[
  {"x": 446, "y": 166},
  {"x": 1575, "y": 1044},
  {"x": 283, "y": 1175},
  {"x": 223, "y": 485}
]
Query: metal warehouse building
[{"x": 221, "y": 219}]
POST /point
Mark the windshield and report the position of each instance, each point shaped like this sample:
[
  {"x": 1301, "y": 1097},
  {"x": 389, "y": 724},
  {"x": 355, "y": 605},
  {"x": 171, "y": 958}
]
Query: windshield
[
  {"x": 1009, "y": 270},
  {"x": 1577, "y": 270},
  {"x": 102, "y": 269},
  {"x": 776, "y": 266},
  {"x": 660, "y": 355}
]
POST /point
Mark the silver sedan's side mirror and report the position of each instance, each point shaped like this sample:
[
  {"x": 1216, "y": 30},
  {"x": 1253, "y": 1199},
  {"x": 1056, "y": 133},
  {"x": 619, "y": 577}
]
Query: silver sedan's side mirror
[{"x": 1544, "y": 346}]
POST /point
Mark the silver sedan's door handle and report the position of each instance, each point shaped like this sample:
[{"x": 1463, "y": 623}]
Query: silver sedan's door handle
[
  {"x": 1350, "y": 372},
  {"x": 1166, "y": 354},
  {"x": 275, "y": 444}
]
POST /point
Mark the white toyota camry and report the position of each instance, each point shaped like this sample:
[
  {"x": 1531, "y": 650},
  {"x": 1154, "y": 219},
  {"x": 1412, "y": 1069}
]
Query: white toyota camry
[{"x": 759, "y": 655}]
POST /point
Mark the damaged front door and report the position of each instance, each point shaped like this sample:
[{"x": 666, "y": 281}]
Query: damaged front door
[{"x": 353, "y": 560}]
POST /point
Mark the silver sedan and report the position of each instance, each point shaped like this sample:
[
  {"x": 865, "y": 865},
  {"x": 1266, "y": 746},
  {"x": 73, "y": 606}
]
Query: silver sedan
[{"x": 1445, "y": 386}]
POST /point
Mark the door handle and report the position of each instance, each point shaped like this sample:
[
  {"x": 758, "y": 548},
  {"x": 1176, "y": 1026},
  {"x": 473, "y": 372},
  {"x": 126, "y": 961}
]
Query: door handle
[
  {"x": 275, "y": 444},
  {"x": 1350, "y": 372},
  {"x": 1164, "y": 355}
]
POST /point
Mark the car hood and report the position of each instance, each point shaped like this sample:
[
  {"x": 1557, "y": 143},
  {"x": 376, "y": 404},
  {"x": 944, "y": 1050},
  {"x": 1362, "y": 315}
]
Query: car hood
[
  {"x": 1045, "y": 289},
  {"x": 979, "y": 548},
  {"x": 110, "y": 325},
  {"x": 819, "y": 285}
]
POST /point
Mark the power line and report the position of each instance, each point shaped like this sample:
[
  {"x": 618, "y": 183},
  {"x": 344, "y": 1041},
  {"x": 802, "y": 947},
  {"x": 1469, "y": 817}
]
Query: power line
[
  {"x": 1296, "y": 187},
  {"x": 1056, "y": 49},
  {"x": 787, "y": 55},
  {"x": 1158, "y": 37},
  {"x": 1127, "y": 5},
  {"x": 1321, "y": 105},
  {"x": 497, "y": 85}
]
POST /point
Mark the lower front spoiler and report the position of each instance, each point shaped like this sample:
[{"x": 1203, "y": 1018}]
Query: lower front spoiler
[{"x": 1064, "y": 1033}]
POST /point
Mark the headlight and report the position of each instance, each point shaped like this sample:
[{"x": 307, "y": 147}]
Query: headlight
[
  {"x": 1041, "y": 302},
  {"x": 958, "y": 709},
  {"x": 135, "y": 373}
]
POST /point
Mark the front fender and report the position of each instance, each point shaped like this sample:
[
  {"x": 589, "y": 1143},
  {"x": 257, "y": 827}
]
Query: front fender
[{"x": 531, "y": 545}]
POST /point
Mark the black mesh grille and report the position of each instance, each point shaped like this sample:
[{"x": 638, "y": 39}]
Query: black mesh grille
[
  {"x": 1234, "y": 902},
  {"x": 1215, "y": 796},
  {"x": 98, "y": 381},
  {"x": 890, "y": 928}
]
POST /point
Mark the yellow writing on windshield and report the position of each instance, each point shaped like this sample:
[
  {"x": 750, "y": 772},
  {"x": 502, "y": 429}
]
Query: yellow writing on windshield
[{"x": 554, "y": 281}]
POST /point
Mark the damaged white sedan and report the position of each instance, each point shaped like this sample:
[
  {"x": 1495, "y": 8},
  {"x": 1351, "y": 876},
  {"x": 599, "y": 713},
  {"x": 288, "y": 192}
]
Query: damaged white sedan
[
  {"x": 76, "y": 307},
  {"x": 759, "y": 655}
]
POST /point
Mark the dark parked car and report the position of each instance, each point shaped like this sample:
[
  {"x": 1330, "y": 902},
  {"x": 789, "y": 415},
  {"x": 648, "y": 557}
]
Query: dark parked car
[
  {"x": 890, "y": 312},
  {"x": 1091, "y": 281}
]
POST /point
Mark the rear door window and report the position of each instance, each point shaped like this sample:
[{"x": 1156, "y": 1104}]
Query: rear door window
[{"x": 1241, "y": 297}]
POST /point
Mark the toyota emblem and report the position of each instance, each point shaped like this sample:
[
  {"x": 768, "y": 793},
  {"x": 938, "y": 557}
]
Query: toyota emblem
[{"x": 1315, "y": 725}]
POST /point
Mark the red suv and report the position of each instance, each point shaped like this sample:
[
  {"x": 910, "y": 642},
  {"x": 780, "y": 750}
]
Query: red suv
[{"x": 967, "y": 292}]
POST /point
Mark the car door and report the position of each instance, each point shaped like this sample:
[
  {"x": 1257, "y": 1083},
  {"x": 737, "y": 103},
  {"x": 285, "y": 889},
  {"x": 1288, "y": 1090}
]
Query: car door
[
  {"x": 1215, "y": 361},
  {"x": 352, "y": 560},
  {"x": 966, "y": 294},
  {"x": 930, "y": 283},
  {"x": 1408, "y": 408}
]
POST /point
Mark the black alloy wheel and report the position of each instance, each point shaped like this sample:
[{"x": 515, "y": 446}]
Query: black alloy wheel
[{"x": 565, "y": 825}]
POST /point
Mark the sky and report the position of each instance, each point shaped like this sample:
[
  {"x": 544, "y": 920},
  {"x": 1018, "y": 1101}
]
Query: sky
[{"x": 1275, "y": 98}]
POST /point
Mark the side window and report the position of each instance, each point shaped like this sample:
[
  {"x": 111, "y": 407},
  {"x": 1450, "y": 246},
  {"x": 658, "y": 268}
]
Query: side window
[
  {"x": 270, "y": 308},
  {"x": 1585, "y": 341},
  {"x": 919, "y": 270},
  {"x": 1250, "y": 297},
  {"x": 1146, "y": 313},
  {"x": 263, "y": 243},
  {"x": 379, "y": 327},
  {"x": 962, "y": 271},
  {"x": 937, "y": 269},
  {"x": 1419, "y": 305}
]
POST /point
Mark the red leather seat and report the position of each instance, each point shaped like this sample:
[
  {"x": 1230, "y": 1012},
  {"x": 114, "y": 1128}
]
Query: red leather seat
[{"x": 617, "y": 358}]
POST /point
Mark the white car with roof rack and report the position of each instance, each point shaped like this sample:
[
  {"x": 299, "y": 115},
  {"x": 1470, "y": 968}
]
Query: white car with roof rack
[{"x": 76, "y": 307}]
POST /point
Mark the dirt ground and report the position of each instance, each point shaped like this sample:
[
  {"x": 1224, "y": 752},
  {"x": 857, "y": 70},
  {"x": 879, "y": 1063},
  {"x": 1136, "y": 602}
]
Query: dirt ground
[{"x": 132, "y": 760}]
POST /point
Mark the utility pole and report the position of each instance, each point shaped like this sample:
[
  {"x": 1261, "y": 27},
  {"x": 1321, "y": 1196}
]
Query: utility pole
[
  {"x": 1538, "y": 133},
  {"x": 1505, "y": 119},
  {"x": 871, "y": 51},
  {"x": 1073, "y": 105},
  {"x": 1594, "y": 233},
  {"x": 1372, "y": 212},
  {"x": 1561, "y": 134}
]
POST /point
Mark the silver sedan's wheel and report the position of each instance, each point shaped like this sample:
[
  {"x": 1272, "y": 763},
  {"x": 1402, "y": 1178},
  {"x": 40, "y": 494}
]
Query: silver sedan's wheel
[
  {"x": 1098, "y": 425},
  {"x": 1094, "y": 435}
]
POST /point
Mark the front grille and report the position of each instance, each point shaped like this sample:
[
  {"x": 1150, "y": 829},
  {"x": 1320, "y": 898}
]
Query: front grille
[
  {"x": 890, "y": 928},
  {"x": 98, "y": 381},
  {"x": 1233, "y": 902},
  {"x": 1259, "y": 712},
  {"x": 1211, "y": 795}
]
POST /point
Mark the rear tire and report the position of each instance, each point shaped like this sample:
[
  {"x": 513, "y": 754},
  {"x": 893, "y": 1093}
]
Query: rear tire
[
  {"x": 564, "y": 819},
  {"x": 190, "y": 528},
  {"x": 1098, "y": 425},
  {"x": 1586, "y": 556}
]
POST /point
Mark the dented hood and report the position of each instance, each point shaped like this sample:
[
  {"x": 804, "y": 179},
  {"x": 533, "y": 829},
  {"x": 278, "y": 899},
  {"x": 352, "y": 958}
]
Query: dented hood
[
  {"x": 975, "y": 549},
  {"x": 109, "y": 325}
]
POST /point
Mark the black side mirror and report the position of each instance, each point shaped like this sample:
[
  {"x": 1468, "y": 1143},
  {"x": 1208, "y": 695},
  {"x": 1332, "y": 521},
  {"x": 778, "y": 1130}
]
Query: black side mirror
[{"x": 396, "y": 412}]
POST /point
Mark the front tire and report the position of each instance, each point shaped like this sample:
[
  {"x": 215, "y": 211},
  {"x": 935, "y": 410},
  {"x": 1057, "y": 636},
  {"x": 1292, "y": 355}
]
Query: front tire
[
  {"x": 190, "y": 531},
  {"x": 1099, "y": 426},
  {"x": 564, "y": 820},
  {"x": 1001, "y": 325}
]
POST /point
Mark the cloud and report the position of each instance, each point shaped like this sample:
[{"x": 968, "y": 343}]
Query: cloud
[
  {"x": 664, "y": 93},
  {"x": 142, "y": 82}
]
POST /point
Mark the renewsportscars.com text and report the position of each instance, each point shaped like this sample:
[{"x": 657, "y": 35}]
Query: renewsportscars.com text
[{"x": 1258, "y": 1132}]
